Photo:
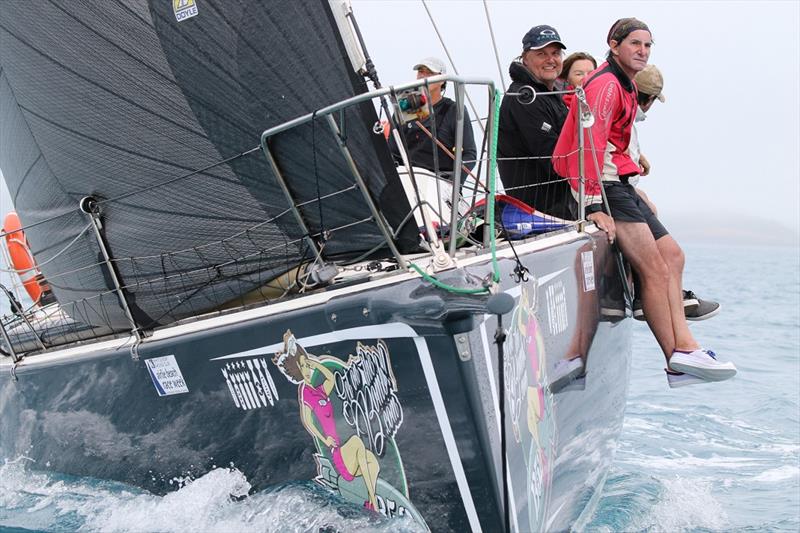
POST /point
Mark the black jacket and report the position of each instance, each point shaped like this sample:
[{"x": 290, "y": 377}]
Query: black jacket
[
  {"x": 420, "y": 145},
  {"x": 532, "y": 131}
]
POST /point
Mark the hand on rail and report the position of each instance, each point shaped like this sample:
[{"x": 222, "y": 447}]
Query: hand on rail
[{"x": 605, "y": 223}]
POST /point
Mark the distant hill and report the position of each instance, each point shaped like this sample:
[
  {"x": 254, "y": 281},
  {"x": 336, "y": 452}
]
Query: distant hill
[{"x": 730, "y": 229}]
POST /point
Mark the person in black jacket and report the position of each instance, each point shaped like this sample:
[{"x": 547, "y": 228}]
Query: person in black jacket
[
  {"x": 528, "y": 132},
  {"x": 420, "y": 145}
]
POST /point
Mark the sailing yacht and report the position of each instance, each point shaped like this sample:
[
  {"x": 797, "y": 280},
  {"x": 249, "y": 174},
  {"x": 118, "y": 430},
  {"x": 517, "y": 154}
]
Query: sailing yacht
[{"x": 238, "y": 275}]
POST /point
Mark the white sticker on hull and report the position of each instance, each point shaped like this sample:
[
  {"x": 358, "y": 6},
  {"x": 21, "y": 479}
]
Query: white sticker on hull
[
  {"x": 587, "y": 259},
  {"x": 250, "y": 383},
  {"x": 557, "y": 318},
  {"x": 166, "y": 375}
]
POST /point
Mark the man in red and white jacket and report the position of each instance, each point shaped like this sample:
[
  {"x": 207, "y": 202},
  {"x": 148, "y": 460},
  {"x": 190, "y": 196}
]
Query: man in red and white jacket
[{"x": 612, "y": 96}]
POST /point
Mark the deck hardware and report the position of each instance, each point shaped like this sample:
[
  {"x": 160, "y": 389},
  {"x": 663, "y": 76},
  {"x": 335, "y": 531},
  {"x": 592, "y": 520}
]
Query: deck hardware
[
  {"x": 463, "y": 347},
  {"x": 91, "y": 207},
  {"x": 15, "y": 306},
  {"x": 525, "y": 96}
]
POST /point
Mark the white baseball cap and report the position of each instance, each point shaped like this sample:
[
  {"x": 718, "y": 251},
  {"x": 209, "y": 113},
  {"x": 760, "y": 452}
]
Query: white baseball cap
[{"x": 434, "y": 64}]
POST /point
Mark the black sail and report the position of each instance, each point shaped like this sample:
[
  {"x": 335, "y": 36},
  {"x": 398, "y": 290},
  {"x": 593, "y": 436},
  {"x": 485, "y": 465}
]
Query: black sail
[{"x": 157, "y": 119}]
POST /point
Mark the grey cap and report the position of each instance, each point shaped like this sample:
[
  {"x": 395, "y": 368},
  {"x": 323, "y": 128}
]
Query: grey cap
[{"x": 434, "y": 64}]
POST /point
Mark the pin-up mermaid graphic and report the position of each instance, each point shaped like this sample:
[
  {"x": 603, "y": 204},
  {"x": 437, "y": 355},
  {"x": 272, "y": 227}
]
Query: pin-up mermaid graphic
[
  {"x": 351, "y": 459},
  {"x": 528, "y": 390}
]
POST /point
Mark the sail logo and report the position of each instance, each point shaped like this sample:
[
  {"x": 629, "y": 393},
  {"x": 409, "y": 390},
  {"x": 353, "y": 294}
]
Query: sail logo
[
  {"x": 184, "y": 9},
  {"x": 250, "y": 384}
]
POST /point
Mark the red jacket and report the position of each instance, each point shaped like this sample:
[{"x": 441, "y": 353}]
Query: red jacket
[{"x": 612, "y": 97}]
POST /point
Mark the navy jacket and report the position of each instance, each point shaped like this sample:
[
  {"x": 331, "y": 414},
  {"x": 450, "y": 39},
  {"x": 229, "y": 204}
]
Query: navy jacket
[
  {"x": 532, "y": 131},
  {"x": 420, "y": 145}
]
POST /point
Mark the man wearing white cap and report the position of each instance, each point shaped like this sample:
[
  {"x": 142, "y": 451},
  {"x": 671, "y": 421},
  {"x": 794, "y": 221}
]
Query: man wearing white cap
[{"x": 420, "y": 144}]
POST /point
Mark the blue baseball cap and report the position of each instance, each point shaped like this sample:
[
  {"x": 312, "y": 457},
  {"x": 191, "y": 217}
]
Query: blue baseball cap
[{"x": 540, "y": 36}]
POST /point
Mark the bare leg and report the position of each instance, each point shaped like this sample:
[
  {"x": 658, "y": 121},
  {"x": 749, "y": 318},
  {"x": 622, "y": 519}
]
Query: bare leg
[
  {"x": 640, "y": 249},
  {"x": 673, "y": 256},
  {"x": 586, "y": 321},
  {"x": 362, "y": 462}
]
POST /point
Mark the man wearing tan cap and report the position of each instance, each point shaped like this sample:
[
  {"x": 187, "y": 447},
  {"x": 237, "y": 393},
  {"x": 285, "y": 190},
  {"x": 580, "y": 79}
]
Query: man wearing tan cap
[{"x": 650, "y": 83}]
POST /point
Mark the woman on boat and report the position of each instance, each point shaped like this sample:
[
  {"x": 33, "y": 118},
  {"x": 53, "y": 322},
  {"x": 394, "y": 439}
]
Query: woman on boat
[
  {"x": 576, "y": 67},
  {"x": 351, "y": 459}
]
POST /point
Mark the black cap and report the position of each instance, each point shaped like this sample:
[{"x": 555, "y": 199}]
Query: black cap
[{"x": 540, "y": 36}]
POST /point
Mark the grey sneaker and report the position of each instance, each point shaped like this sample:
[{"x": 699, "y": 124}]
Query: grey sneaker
[
  {"x": 704, "y": 309},
  {"x": 691, "y": 307},
  {"x": 638, "y": 311},
  {"x": 690, "y": 302},
  {"x": 702, "y": 364},
  {"x": 611, "y": 309},
  {"x": 678, "y": 379}
]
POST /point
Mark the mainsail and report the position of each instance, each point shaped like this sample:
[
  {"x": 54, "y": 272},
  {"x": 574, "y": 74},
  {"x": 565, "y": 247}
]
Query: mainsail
[{"x": 136, "y": 103}]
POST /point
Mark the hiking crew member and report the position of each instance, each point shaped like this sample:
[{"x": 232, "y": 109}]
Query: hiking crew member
[{"x": 645, "y": 243}]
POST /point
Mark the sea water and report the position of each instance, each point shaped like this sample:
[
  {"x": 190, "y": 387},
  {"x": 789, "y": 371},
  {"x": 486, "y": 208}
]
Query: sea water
[{"x": 711, "y": 457}]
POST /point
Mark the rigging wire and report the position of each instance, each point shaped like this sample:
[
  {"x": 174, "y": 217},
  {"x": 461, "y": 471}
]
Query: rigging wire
[
  {"x": 494, "y": 45},
  {"x": 67, "y": 247},
  {"x": 452, "y": 63}
]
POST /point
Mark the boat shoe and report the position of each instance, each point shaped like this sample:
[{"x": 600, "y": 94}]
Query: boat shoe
[
  {"x": 703, "y": 310},
  {"x": 702, "y": 364},
  {"x": 694, "y": 308}
]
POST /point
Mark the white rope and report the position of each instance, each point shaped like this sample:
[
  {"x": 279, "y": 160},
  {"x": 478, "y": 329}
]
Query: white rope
[
  {"x": 450, "y": 58},
  {"x": 35, "y": 267},
  {"x": 494, "y": 45}
]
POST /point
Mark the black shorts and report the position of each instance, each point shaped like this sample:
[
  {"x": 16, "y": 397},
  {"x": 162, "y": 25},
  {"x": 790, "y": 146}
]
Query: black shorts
[{"x": 627, "y": 206}]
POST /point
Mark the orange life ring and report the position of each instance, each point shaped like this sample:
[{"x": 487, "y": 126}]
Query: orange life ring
[{"x": 22, "y": 259}]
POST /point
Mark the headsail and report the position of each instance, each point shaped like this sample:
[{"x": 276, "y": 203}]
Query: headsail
[{"x": 126, "y": 101}]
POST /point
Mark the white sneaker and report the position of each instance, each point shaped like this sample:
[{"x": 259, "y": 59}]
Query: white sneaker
[
  {"x": 702, "y": 364},
  {"x": 678, "y": 379}
]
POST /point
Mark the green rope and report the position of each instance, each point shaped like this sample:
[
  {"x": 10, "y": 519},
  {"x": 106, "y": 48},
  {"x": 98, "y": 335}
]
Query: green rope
[
  {"x": 492, "y": 174},
  {"x": 490, "y": 214},
  {"x": 448, "y": 288}
]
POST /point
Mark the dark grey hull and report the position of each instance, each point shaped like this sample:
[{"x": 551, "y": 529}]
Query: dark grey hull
[{"x": 409, "y": 384}]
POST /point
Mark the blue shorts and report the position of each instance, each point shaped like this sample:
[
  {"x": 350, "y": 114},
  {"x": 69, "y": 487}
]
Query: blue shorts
[{"x": 627, "y": 206}]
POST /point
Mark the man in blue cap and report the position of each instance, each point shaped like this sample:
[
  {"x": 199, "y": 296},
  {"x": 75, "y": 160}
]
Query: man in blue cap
[{"x": 528, "y": 131}]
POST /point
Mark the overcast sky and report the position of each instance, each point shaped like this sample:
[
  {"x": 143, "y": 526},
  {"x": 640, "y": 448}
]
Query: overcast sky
[{"x": 726, "y": 139}]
